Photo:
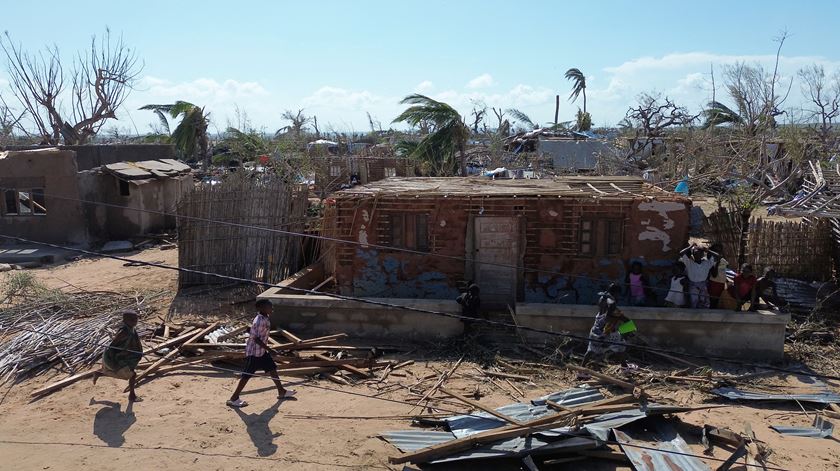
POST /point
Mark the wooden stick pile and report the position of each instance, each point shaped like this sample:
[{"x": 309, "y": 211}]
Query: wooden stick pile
[
  {"x": 69, "y": 330},
  {"x": 184, "y": 346}
]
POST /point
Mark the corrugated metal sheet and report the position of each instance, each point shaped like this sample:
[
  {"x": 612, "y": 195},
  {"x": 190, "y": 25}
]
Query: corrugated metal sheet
[
  {"x": 821, "y": 429},
  {"x": 672, "y": 457},
  {"x": 825, "y": 397},
  {"x": 411, "y": 440},
  {"x": 465, "y": 425},
  {"x": 602, "y": 424}
]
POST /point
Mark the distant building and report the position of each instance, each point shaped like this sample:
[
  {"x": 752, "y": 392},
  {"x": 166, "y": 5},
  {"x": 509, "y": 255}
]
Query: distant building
[
  {"x": 44, "y": 194},
  {"x": 573, "y": 154}
]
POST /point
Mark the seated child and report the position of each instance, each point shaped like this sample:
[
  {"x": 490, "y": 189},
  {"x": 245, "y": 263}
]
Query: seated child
[{"x": 744, "y": 283}]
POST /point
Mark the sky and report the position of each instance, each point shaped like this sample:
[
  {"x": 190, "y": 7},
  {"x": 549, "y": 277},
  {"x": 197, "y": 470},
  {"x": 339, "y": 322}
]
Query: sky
[{"x": 339, "y": 60}]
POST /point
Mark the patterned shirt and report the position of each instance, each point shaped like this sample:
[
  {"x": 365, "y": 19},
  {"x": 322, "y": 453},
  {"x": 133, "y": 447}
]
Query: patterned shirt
[{"x": 259, "y": 330}]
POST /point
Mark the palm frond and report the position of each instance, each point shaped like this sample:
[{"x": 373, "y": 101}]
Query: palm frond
[
  {"x": 718, "y": 114},
  {"x": 578, "y": 82},
  {"x": 521, "y": 117},
  {"x": 426, "y": 109}
]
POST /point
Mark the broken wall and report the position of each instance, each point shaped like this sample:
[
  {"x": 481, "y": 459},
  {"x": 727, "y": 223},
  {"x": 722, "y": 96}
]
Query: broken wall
[
  {"x": 54, "y": 171},
  {"x": 135, "y": 213},
  {"x": 90, "y": 156}
]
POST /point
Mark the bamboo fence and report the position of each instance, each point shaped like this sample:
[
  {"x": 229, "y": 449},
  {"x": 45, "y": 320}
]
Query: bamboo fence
[
  {"x": 802, "y": 250},
  {"x": 246, "y": 250}
]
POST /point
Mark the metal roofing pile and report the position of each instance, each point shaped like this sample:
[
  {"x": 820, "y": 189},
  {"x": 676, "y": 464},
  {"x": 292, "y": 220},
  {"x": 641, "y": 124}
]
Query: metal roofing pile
[
  {"x": 614, "y": 187},
  {"x": 562, "y": 440},
  {"x": 147, "y": 169}
]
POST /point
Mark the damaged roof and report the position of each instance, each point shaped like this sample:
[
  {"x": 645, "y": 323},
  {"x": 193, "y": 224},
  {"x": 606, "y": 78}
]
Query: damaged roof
[
  {"x": 147, "y": 169},
  {"x": 600, "y": 186},
  {"x": 820, "y": 196}
]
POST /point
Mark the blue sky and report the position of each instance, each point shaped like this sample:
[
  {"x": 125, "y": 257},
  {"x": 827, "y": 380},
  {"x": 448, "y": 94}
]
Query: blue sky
[{"x": 341, "y": 59}]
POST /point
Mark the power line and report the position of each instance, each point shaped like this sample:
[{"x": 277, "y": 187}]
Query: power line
[
  {"x": 353, "y": 393},
  {"x": 427, "y": 311},
  {"x": 342, "y": 241}
]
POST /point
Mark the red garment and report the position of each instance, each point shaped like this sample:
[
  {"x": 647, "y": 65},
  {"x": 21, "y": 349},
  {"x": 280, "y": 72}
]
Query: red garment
[
  {"x": 744, "y": 285},
  {"x": 715, "y": 288}
]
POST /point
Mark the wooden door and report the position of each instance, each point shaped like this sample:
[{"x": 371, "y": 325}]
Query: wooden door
[{"x": 497, "y": 243}]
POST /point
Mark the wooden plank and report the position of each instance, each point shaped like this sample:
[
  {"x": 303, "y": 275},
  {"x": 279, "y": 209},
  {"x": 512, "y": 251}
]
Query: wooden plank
[
  {"x": 171, "y": 343},
  {"x": 344, "y": 366},
  {"x": 479, "y": 406},
  {"x": 60, "y": 384},
  {"x": 169, "y": 356},
  {"x": 233, "y": 333},
  {"x": 438, "y": 384},
  {"x": 605, "y": 378},
  {"x": 460, "y": 444},
  {"x": 506, "y": 375},
  {"x": 289, "y": 336}
]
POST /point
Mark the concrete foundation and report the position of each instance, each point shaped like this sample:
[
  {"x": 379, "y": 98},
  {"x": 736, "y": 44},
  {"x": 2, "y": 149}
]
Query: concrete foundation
[
  {"x": 324, "y": 315},
  {"x": 754, "y": 335},
  {"x": 746, "y": 335}
]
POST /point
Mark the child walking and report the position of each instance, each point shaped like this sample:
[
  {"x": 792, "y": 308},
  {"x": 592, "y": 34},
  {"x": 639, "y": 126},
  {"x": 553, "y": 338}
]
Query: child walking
[
  {"x": 123, "y": 354},
  {"x": 258, "y": 356}
]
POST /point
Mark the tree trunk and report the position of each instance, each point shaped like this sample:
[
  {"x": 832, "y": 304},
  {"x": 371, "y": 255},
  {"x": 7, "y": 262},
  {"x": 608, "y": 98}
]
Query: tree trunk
[
  {"x": 584, "y": 99},
  {"x": 462, "y": 156},
  {"x": 557, "y": 108}
]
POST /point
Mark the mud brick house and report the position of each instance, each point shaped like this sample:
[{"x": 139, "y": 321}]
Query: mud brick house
[
  {"x": 534, "y": 241},
  {"x": 332, "y": 172}
]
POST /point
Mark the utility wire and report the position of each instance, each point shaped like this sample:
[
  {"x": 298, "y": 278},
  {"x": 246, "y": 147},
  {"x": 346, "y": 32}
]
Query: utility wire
[
  {"x": 428, "y": 311},
  {"x": 343, "y": 241},
  {"x": 396, "y": 401}
]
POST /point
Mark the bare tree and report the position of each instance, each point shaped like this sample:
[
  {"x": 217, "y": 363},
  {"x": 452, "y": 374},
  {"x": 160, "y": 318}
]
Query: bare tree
[
  {"x": 824, "y": 95},
  {"x": 650, "y": 118},
  {"x": 503, "y": 126},
  {"x": 9, "y": 121},
  {"x": 99, "y": 80},
  {"x": 478, "y": 112},
  {"x": 298, "y": 122}
]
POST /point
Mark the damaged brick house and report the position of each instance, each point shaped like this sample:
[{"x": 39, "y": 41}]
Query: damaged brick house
[
  {"x": 536, "y": 241},
  {"x": 46, "y": 198}
]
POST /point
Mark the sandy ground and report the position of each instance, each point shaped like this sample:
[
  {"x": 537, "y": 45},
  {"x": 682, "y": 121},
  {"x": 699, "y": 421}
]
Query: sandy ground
[{"x": 184, "y": 424}]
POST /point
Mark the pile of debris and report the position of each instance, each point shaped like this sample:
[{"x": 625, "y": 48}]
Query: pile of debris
[
  {"x": 175, "y": 346},
  {"x": 587, "y": 422},
  {"x": 41, "y": 329}
]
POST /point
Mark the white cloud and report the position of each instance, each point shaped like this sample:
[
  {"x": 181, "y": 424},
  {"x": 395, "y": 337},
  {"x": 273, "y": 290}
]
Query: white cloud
[
  {"x": 341, "y": 98},
  {"x": 424, "y": 87},
  {"x": 482, "y": 81},
  {"x": 200, "y": 89}
]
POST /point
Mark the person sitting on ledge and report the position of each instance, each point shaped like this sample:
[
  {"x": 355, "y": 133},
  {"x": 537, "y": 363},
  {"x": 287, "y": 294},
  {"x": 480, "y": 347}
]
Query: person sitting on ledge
[
  {"x": 765, "y": 290},
  {"x": 744, "y": 284}
]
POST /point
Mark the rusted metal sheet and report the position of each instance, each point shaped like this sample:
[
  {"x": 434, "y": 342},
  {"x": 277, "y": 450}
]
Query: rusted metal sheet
[{"x": 668, "y": 453}]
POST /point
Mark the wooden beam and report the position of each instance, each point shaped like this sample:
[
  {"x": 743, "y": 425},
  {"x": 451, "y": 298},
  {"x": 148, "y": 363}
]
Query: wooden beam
[
  {"x": 173, "y": 342},
  {"x": 60, "y": 384},
  {"x": 479, "y": 406},
  {"x": 460, "y": 444},
  {"x": 506, "y": 375},
  {"x": 343, "y": 364},
  {"x": 438, "y": 384},
  {"x": 289, "y": 336},
  {"x": 233, "y": 333},
  {"x": 605, "y": 378},
  {"x": 169, "y": 356}
]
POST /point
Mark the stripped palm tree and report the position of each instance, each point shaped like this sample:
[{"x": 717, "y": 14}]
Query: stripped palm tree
[
  {"x": 449, "y": 134},
  {"x": 190, "y": 136},
  {"x": 578, "y": 85}
]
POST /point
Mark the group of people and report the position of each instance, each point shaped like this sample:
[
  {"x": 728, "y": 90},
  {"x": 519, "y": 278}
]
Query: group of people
[
  {"x": 122, "y": 356},
  {"x": 699, "y": 281}
]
